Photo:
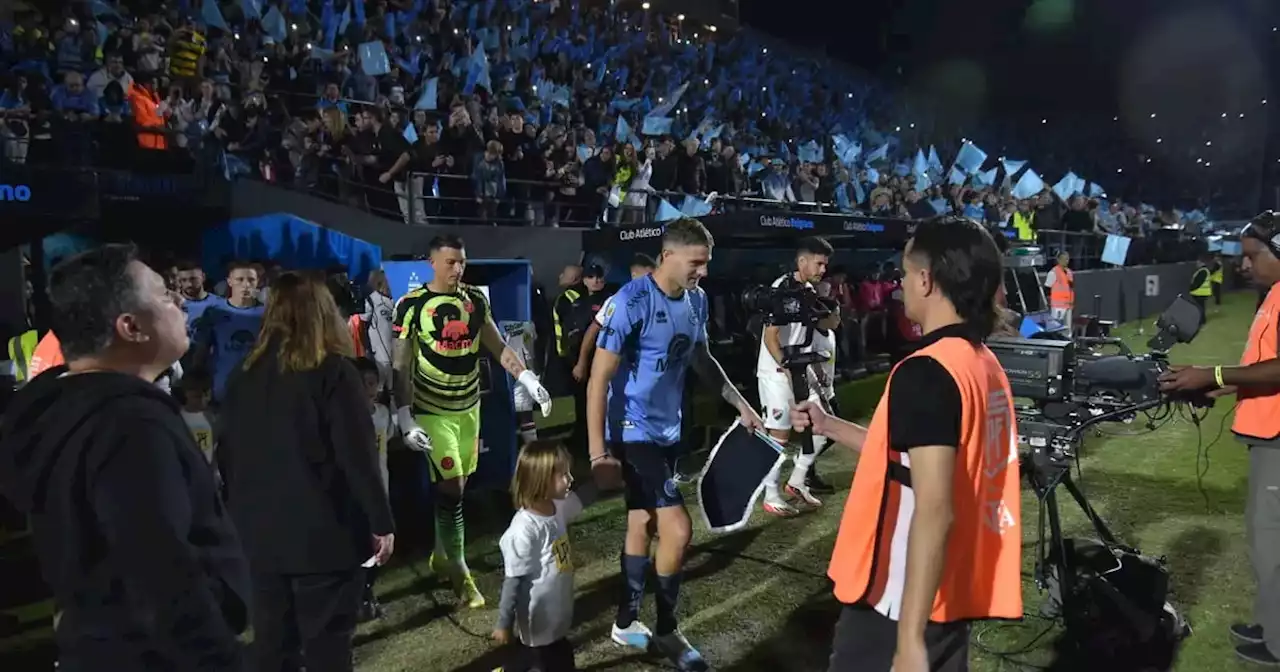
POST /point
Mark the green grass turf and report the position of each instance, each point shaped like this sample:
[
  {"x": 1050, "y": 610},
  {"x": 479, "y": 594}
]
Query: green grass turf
[{"x": 759, "y": 600}]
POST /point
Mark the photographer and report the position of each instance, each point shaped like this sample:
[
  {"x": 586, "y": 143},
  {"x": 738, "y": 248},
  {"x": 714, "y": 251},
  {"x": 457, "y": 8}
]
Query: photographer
[
  {"x": 1256, "y": 384},
  {"x": 774, "y": 380},
  {"x": 929, "y": 540}
]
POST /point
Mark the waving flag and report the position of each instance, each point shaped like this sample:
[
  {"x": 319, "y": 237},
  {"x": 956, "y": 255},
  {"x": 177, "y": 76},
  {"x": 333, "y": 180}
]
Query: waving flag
[
  {"x": 622, "y": 130},
  {"x": 273, "y": 24},
  {"x": 211, "y": 14},
  {"x": 880, "y": 154},
  {"x": 656, "y": 126},
  {"x": 1012, "y": 166},
  {"x": 988, "y": 178},
  {"x": 1096, "y": 191},
  {"x": 359, "y": 17},
  {"x": 1028, "y": 185},
  {"x": 1067, "y": 186},
  {"x": 252, "y": 9},
  {"x": 935, "y": 164},
  {"x": 970, "y": 158},
  {"x": 430, "y": 96},
  {"x": 695, "y": 206},
  {"x": 410, "y": 134},
  {"x": 667, "y": 212},
  {"x": 669, "y": 105},
  {"x": 810, "y": 152},
  {"x": 920, "y": 166},
  {"x": 957, "y": 176}
]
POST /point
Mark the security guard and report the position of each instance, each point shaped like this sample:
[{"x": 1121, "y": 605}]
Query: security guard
[
  {"x": 930, "y": 539},
  {"x": 1061, "y": 283},
  {"x": 1202, "y": 286},
  {"x": 21, "y": 348},
  {"x": 575, "y": 311},
  {"x": 1256, "y": 384}
]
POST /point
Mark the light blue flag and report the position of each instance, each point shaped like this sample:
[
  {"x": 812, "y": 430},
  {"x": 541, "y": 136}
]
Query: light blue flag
[
  {"x": 923, "y": 182},
  {"x": 273, "y": 24},
  {"x": 695, "y": 207},
  {"x": 211, "y": 14},
  {"x": 988, "y": 178},
  {"x": 656, "y": 126},
  {"x": 584, "y": 153},
  {"x": 252, "y": 9},
  {"x": 1066, "y": 186},
  {"x": 1012, "y": 166},
  {"x": 1096, "y": 191},
  {"x": 810, "y": 152},
  {"x": 743, "y": 159},
  {"x": 970, "y": 158},
  {"x": 430, "y": 95},
  {"x": 320, "y": 53},
  {"x": 667, "y": 212},
  {"x": 935, "y": 164},
  {"x": 880, "y": 153},
  {"x": 902, "y": 170},
  {"x": 1028, "y": 185},
  {"x": 410, "y": 134},
  {"x": 359, "y": 7},
  {"x": 957, "y": 176},
  {"x": 920, "y": 165},
  {"x": 754, "y": 167},
  {"x": 346, "y": 19},
  {"x": 939, "y": 205},
  {"x": 101, "y": 9},
  {"x": 478, "y": 72},
  {"x": 622, "y": 131},
  {"x": 873, "y": 176},
  {"x": 669, "y": 104},
  {"x": 373, "y": 59}
]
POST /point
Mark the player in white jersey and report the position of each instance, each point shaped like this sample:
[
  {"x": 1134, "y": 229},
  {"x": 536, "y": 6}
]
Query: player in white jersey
[{"x": 774, "y": 380}]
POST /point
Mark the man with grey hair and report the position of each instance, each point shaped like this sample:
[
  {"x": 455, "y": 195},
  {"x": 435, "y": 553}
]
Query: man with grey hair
[{"x": 132, "y": 536}]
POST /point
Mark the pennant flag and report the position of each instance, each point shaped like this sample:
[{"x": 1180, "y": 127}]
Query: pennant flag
[
  {"x": 847, "y": 151},
  {"x": 935, "y": 164},
  {"x": 988, "y": 178},
  {"x": 1096, "y": 191},
  {"x": 410, "y": 134},
  {"x": 101, "y": 9},
  {"x": 1028, "y": 185},
  {"x": 667, "y": 212},
  {"x": 273, "y": 24},
  {"x": 373, "y": 59},
  {"x": 345, "y": 20},
  {"x": 430, "y": 96},
  {"x": 939, "y": 205},
  {"x": 211, "y": 14},
  {"x": 1066, "y": 187},
  {"x": 923, "y": 182},
  {"x": 873, "y": 176},
  {"x": 478, "y": 72},
  {"x": 328, "y": 24},
  {"x": 957, "y": 176},
  {"x": 754, "y": 167},
  {"x": 320, "y": 53},
  {"x": 970, "y": 158},
  {"x": 1012, "y": 166},
  {"x": 656, "y": 126},
  {"x": 921, "y": 165},
  {"x": 252, "y": 9},
  {"x": 359, "y": 17},
  {"x": 584, "y": 153},
  {"x": 622, "y": 131}
]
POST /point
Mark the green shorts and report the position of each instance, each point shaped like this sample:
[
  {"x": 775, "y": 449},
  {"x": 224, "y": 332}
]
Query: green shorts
[{"x": 455, "y": 442}]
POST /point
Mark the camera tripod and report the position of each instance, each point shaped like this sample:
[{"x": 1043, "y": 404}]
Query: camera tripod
[{"x": 1045, "y": 471}]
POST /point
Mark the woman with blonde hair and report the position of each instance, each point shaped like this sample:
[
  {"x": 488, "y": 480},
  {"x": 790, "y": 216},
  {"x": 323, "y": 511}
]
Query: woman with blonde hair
[{"x": 298, "y": 453}]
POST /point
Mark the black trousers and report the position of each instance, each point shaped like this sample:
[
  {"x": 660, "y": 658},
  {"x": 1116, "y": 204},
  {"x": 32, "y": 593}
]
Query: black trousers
[
  {"x": 865, "y": 640},
  {"x": 315, "y": 614},
  {"x": 554, "y": 657}
]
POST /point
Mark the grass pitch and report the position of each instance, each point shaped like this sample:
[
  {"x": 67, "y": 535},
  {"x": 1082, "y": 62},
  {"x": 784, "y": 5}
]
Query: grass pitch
[{"x": 759, "y": 599}]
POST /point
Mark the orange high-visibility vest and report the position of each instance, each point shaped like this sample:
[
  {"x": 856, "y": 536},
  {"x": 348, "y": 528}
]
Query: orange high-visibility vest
[
  {"x": 1062, "y": 294},
  {"x": 48, "y": 354},
  {"x": 1258, "y": 410},
  {"x": 981, "y": 576},
  {"x": 354, "y": 323}
]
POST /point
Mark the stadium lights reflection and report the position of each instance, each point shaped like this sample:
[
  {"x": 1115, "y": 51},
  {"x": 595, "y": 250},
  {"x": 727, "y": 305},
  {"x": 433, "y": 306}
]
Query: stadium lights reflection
[
  {"x": 1264, "y": 101},
  {"x": 897, "y": 129},
  {"x": 765, "y": 50},
  {"x": 293, "y": 26},
  {"x": 679, "y": 17},
  {"x": 1044, "y": 121},
  {"x": 1208, "y": 143},
  {"x": 1208, "y": 163},
  {"x": 308, "y": 46},
  {"x": 1242, "y": 115},
  {"x": 1159, "y": 140},
  {"x": 237, "y": 36},
  {"x": 644, "y": 6},
  {"x": 1153, "y": 115},
  {"x": 913, "y": 125},
  {"x": 1119, "y": 170},
  {"x": 1224, "y": 115},
  {"x": 1199, "y": 160},
  {"x": 711, "y": 28}
]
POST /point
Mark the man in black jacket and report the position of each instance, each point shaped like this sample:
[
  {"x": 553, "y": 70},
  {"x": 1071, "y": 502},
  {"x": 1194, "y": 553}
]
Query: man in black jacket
[{"x": 132, "y": 536}]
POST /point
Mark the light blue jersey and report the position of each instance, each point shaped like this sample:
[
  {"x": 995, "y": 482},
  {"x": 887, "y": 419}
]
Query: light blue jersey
[
  {"x": 230, "y": 333},
  {"x": 654, "y": 335},
  {"x": 194, "y": 308}
]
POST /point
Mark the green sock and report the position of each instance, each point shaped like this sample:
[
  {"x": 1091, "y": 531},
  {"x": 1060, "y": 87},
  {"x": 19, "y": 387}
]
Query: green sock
[{"x": 451, "y": 533}]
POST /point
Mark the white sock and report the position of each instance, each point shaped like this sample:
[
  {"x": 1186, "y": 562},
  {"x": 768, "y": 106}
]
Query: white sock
[
  {"x": 771, "y": 483},
  {"x": 803, "y": 464}
]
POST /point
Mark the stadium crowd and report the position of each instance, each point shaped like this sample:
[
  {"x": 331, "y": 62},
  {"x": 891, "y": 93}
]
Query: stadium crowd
[{"x": 544, "y": 113}]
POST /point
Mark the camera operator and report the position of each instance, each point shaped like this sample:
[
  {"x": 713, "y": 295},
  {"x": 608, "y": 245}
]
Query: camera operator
[
  {"x": 776, "y": 395},
  {"x": 930, "y": 537},
  {"x": 1256, "y": 384}
]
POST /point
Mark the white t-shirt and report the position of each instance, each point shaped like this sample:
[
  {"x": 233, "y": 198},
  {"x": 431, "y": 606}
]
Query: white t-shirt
[
  {"x": 201, "y": 431},
  {"x": 791, "y": 334},
  {"x": 379, "y": 310},
  {"x": 537, "y": 547},
  {"x": 384, "y": 427}
]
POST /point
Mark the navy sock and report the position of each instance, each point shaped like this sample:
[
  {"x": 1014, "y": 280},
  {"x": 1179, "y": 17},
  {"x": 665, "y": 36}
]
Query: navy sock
[
  {"x": 635, "y": 568},
  {"x": 668, "y": 597}
]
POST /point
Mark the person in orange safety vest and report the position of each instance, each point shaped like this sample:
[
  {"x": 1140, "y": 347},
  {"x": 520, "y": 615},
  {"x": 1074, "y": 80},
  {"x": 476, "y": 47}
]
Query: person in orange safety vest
[
  {"x": 931, "y": 535},
  {"x": 1255, "y": 382},
  {"x": 144, "y": 102},
  {"x": 1061, "y": 283},
  {"x": 48, "y": 354}
]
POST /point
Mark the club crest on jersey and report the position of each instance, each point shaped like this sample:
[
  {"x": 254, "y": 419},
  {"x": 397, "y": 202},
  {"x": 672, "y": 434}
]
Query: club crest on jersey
[
  {"x": 446, "y": 463},
  {"x": 777, "y": 414}
]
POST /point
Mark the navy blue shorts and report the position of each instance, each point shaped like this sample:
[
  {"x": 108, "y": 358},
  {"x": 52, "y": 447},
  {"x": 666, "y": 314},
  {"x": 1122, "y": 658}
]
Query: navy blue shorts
[{"x": 648, "y": 470}]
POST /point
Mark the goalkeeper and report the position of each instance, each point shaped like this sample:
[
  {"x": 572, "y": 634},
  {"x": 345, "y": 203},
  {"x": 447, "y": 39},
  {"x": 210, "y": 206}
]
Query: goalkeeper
[{"x": 436, "y": 373}]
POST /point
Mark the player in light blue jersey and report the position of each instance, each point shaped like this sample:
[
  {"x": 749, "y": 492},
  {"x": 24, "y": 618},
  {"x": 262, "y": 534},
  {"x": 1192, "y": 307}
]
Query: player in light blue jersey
[
  {"x": 227, "y": 331},
  {"x": 652, "y": 331},
  {"x": 195, "y": 298}
]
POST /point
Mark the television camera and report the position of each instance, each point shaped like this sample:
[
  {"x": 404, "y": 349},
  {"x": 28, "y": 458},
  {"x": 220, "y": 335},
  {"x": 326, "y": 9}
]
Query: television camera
[{"x": 1112, "y": 598}]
